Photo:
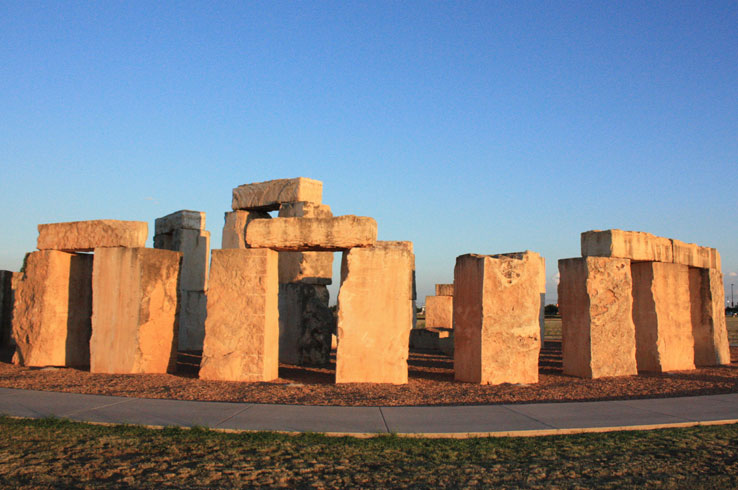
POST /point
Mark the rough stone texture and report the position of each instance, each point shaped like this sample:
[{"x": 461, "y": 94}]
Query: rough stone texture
[
  {"x": 439, "y": 311},
  {"x": 191, "y": 320},
  {"x": 85, "y": 236},
  {"x": 6, "y": 306},
  {"x": 53, "y": 304},
  {"x": 268, "y": 196},
  {"x": 306, "y": 324},
  {"x": 706, "y": 291},
  {"x": 695, "y": 256},
  {"x": 496, "y": 309},
  {"x": 598, "y": 334},
  {"x": 242, "y": 326},
  {"x": 234, "y": 229},
  {"x": 134, "y": 308},
  {"x": 306, "y": 267},
  {"x": 195, "y": 248},
  {"x": 444, "y": 289},
  {"x": 428, "y": 338},
  {"x": 375, "y": 313},
  {"x": 312, "y": 234},
  {"x": 662, "y": 317},
  {"x": 184, "y": 219},
  {"x": 634, "y": 245}
]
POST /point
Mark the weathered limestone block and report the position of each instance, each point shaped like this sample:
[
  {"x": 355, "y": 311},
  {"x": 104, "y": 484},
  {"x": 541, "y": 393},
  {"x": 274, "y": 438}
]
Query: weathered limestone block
[
  {"x": 134, "y": 306},
  {"x": 242, "y": 326},
  {"x": 184, "y": 219},
  {"x": 634, "y": 245},
  {"x": 195, "y": 248},
  {"x": 85, "y": 236},
  {"x": 267, "y": 196},
  {"x": 312, "y": 234},
  {"x": 306, "y": 324},
  {"x": 496, "y": 308},
  {"x": 595, "y": 302},
  {"x": 695, "y": 256},
  {"x": 53, "y": 305},
  {"x": 234, "y": 229},
  {"x": 662, "y": 317},
  {"x": 306, "y": 267},
  {"x": 6, "y": 306},
  {"x": 191, "y": 320},
  {"x": 429, "y": 338},
  {"x": 706, "y": 291},
  {"x": 444, "y": 289},
  {"x": 375, "y": 313},
  {"x": 439, "y": 311}
]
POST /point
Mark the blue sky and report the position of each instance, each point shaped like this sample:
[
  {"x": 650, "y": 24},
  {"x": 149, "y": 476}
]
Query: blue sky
[{"x": 482, "y": 127}]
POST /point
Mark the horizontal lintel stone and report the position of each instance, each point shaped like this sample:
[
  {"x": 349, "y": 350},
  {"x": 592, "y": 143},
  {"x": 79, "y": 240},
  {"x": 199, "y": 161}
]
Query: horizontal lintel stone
[
  {"x": 85, "y": 236},
  {"x": 190, "y": 220},
  {"x": 312, "y": 234},
  {"x": 269, "y": 195}
]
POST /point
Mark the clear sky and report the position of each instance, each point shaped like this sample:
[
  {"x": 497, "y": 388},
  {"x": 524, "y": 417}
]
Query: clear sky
[{"x": 482, "y": 127}]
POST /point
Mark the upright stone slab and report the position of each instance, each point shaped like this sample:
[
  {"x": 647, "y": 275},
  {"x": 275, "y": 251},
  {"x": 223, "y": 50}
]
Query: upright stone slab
[
  {"x": 662, "y": 317},
  {"x": 242, "y": 326},
  {"x": 375, "y": 313},
  {"x": 305, "y": 267},
  {"x": 496, "y": 308},
  {"x": 193, "y": 311},
  {"x": 595, "y": 302},
  {"x": 706, "y": 291},
  {"x": 85, "y": 236},
  {"x": 306, "y": 324},
  {"x": 269, "y": 195},
  {"x": 195, "y": 248},
  {"x": 634, "y": 245},
  {"x": 53, "y": 304},
  {"x": 444, "y": 289},
  {"x": 234, "y": 229},
  {"x": 6, "y": 306},
  {"x": 439, "y": 311},
  {"x": 134, "y": 305},
  {"x": 312, "y": 234}
]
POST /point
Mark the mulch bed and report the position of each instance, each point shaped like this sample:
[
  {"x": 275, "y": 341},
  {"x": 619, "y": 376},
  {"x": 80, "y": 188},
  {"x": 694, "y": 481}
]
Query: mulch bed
[{"x": 431, "y": 382}]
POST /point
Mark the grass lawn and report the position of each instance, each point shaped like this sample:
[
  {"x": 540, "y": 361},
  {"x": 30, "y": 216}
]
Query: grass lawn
[{"x": 54, "y": 453}]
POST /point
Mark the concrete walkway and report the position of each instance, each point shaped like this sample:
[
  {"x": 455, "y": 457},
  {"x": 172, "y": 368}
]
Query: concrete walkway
[{"x": 451, "y": 421}]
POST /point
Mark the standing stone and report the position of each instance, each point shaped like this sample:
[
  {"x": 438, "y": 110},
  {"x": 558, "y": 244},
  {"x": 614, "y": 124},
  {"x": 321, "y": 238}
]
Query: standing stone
[
  {"x": 439, "y": 311},
  {"x": 85, "y": 236},
  {"x": 306, "y": 324},
  {"x": 706, "y": 290},
  {"x": 133, "y": 311},
  {"x": 662, "y": 317},
  {"x": 375, "y": 313},
  {"x": 444, "y": 289},
  {"x": 634, "y": 245},
  {"x": 234, "y": 229},
  {"x": 242, "y": 326},
  {"x": 267, "y": 196},
  {"x": 598, "y": 334},
  {"x": 193, "y": 311},
  {"x": 53, "y": 305},
  {"x": 496, "y": 309},
  {"x": 312, "y": 234},
  {"x": 306, "y": 267},
  {"x": 6, "y": 307}
]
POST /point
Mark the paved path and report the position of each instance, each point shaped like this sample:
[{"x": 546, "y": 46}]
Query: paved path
[{"x": 453, "y": 421}]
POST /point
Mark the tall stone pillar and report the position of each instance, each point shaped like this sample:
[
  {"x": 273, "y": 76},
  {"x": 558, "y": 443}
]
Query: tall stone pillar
[
  {"x": 6, "y": 307},
  {"x": 53, "y": 306},
  {"x": 496, "y": 310},
  {"x": 375, "y": 313},
  {"x": 706, "y": 291},
  {"x": 598, "y": 334},
  {"x": 242, "y": 326},
  {"x": 662, "y": 316},
  {"x": 184, "y": 231}
]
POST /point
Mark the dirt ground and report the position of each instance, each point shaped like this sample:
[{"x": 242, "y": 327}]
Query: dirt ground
[{"x": 430, "y": 383}]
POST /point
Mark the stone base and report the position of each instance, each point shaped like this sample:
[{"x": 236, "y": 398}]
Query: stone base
[
  {"x": 306, "y": 324},
  {"x": 134, "y": 311},
  {"x": 53, "y": 305}
]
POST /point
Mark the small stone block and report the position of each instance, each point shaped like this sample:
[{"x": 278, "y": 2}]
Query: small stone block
[
  {"x": 633, "y": 245},
  {"x": 185, "y": 219},
  {"x": 496, "y": 308},
  {"x": 85, "y": 236},
  {"x": 269, "y": 195},
  {"x": 444, "y": 289},
  {"x": 242, "y": 324},
  {"x": 234, "y": 229},
  {"x": 312, "y": 234},
  {"x": 134, "y": 311},
  {"x": 439, "y": 311}
]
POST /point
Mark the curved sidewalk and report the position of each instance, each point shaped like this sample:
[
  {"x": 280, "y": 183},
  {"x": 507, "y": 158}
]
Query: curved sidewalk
[{"x": 443, "y": 421}]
